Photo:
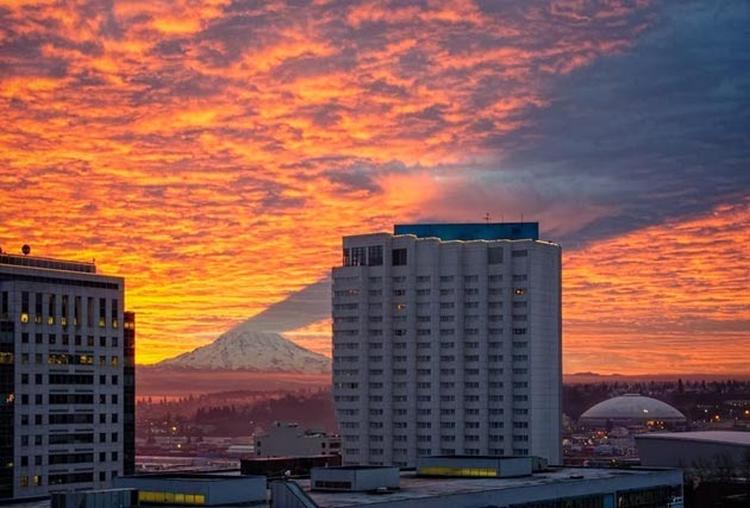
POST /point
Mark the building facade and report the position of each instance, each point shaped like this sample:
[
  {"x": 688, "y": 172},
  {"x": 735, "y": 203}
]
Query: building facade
[
  {"x": 289, "y": 440},
  {"x": 447, "y": 340},
  {"x": 67, "y": 380}
]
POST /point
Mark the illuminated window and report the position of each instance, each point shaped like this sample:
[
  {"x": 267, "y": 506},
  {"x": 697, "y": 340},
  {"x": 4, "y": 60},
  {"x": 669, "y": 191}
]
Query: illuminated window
[
  {"x": 57, "y": 359},
  {"x": 114, "y": 312},
  {"x": 51, "y": 309},
  {"x": 519, "y": 291},
  {"x": 24, "y": 317}
]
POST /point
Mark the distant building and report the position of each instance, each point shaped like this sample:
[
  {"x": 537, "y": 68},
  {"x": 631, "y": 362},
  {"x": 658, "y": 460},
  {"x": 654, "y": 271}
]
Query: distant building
[
  {"x": 696, "y": 450},
  {"x": 289, "y": 440},
  {"x": 67, "y": 399},
  {"x": 478, "y": 482},
  {"x": 632, "y": 409},
  {"x": 447, "y": 340},
  {"x": 280, "y": 467}
]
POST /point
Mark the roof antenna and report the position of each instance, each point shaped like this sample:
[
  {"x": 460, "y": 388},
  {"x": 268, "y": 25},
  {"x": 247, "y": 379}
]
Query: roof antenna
[{"x": 487, "y": 217}]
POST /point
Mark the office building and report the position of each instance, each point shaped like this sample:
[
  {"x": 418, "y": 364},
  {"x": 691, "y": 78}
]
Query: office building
[
  {"x": 66, "y": 377},
  {"x": 447, "y": 341}
]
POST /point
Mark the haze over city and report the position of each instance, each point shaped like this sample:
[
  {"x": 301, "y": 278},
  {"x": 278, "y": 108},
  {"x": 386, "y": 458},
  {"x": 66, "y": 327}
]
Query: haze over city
[{"x": 214, "y": 154}]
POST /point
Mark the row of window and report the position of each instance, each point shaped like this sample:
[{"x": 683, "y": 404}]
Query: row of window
[
  {"x": 70, "y": 439},
  {"x": 70, "y": 419},
  {"x": 426, "y": 385},
  {"x": 69, "y": 379},
  {"x": 64, "y": 340},
  {"x": 428, "y": 451},
  {"x": 39, "y": 399},
  {"x": 443, "y": 371},
  {"x": 445, "y": 332},
  {"x": 62, "y": 479},
  {"x": 70, "y": 458},
  {"x": 401, "y": 307},
  {"x": 444, "y": 318},
  {"x": 373, "y": 256},
  {"x": 62, "y": 359},
  {"x": 428, "y": 398},
  {"x": 52, "y": 308},
  {"x": 426, "y": 345},
  {"x": 493, "y": 411},
  {"x": 423, "y": 280}
]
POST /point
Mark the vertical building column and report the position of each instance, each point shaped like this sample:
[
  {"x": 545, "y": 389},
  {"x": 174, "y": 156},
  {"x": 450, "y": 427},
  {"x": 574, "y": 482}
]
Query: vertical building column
[{"x": 128, "y": 333}]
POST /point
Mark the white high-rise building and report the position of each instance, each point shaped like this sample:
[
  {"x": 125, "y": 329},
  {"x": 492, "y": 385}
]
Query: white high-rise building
[
  {"x": 67, "y": 394},
  {"x": 447, "y": 341}
]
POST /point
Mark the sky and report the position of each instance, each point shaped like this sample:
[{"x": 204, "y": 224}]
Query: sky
[{"x": 214, "y": 152}]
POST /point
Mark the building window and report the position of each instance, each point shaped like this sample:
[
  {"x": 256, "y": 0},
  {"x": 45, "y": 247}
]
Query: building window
[
  {"x": 375, "y": 255},
  {"x": 494, "y": 255},
  {"x": 102, "y": 313},
  {"x": 90, "y": 312},
  {"x": 398, "y": 257},
  {"x": 24, "y": 307},
  {"x": 115, "y": 309},
  {"x": 520, "y": 253}
]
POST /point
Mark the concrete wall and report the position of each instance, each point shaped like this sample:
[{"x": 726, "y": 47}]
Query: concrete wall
[
  {"x": 217, "y": 490},
  {"x": 690, "y": 454}
]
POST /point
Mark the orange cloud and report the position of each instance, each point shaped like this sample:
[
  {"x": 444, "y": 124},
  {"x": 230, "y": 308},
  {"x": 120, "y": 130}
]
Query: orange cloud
[
  {"x": 214, "y": 154},
  {"x": 668, "y": 298}
]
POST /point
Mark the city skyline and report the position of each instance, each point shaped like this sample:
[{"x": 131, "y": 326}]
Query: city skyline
[{"x": 214, "y": 154}]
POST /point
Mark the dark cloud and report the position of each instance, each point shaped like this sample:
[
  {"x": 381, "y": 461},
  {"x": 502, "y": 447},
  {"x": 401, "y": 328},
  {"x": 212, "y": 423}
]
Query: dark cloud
[{"x": 661, "y": 131}]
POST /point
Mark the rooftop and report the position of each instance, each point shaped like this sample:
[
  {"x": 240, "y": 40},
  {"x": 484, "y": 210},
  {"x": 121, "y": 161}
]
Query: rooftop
[
  {"x": 472, "y": 231},
  {"x": 414, "y": 487},
  {"x": 706, "y": 436},
  {"x": 47, "y": 263}
]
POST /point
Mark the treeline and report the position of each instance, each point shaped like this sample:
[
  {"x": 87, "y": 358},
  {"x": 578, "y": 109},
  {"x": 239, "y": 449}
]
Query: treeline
[
  {"x": 690, "y": 397},
  {"x": 309, "y": 411}
]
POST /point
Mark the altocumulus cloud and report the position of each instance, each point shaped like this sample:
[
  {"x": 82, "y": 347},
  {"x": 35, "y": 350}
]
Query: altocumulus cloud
[{"x": 214, "y": 152}]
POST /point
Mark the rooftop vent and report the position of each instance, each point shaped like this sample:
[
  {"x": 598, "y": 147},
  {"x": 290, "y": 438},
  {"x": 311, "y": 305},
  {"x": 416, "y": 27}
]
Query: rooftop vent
[{"x": 355, "y": 478}]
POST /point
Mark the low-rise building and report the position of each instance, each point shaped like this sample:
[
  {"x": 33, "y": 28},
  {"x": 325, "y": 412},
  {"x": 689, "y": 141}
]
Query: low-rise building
[
  {"x": 695, "y": 450},
  {"x": 479, "y": 482},
  {"x": 289, "y": 440}
]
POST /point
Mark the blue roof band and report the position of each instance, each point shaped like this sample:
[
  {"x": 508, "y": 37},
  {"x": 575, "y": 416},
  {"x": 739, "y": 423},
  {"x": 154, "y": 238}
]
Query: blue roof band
[{"x": 472, "y": 231}]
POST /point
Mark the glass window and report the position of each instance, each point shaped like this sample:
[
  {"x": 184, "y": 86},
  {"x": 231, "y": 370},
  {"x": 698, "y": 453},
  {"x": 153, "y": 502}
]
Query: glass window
[
  {"x": 494, "y": 255},
  {"x": 375, "y": 255},
  {"x": 399, "y": 257}
]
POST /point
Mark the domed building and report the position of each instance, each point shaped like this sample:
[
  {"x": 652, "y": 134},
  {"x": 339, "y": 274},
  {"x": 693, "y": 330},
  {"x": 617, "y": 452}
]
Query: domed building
[{"x": 631, "y": 409}]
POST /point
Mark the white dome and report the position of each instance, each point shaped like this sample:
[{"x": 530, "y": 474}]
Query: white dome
[{"x": 632, "y": 407}]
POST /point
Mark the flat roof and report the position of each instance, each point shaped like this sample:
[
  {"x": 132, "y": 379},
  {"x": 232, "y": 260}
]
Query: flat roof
[
  {"x": 705, "y": 436},
  {"x": 416, "y": 487},
  {"x": 47, "y": 263},
  {"x": 471, "y": 230}
]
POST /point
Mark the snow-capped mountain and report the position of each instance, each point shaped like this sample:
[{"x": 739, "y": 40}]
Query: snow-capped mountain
[{"x": 243, "y": 348}]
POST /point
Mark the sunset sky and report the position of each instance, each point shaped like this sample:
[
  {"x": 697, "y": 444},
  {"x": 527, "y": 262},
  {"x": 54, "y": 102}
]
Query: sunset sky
[{"x": 214, "y": 152}]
